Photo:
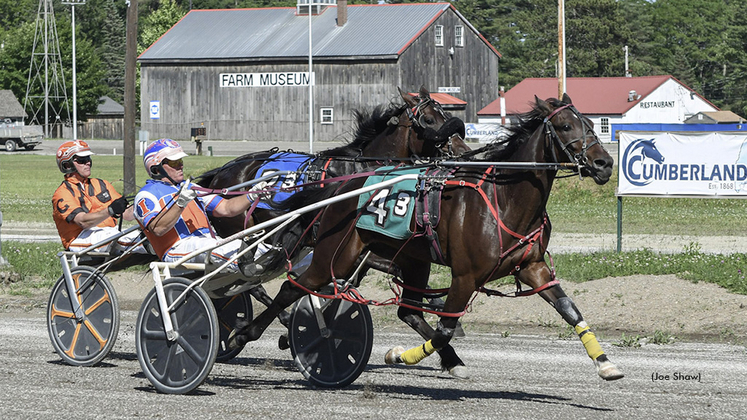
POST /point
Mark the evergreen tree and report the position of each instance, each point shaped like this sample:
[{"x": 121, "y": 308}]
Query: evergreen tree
[{"x": 112, "y": 51}]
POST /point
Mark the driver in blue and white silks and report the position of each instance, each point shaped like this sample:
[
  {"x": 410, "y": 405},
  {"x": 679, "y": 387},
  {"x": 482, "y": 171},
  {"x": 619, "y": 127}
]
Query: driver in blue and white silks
[{"x": 175, "y": 219}]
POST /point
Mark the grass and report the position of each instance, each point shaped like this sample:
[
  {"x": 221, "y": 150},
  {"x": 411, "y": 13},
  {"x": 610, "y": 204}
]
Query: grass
[
  {"x": 728, "y": 271},
  {"x": 27, "y": 182},
  {"x": 581, "y": 206}
]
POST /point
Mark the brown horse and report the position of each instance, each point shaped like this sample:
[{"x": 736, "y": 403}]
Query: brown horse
[
  {"x": 493, "y": 224},
  {"x": 418, "y": 128}
]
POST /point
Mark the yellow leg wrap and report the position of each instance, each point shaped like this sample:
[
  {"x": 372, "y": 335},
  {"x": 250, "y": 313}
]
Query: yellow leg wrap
[
  {"x": 593, "y": 349},
  {"x": 416, "y": 354}
]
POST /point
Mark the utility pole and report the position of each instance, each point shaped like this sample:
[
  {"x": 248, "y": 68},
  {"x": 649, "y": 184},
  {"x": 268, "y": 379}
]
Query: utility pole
[
  {"x": 130, "y": 106},
  {"x": 72, "y": 4},
  {"x": 561, "y": 48}
]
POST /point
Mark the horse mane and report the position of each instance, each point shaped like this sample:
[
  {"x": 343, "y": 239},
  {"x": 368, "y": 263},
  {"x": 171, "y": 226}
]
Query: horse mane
[
  {"x": 518, "y": 133},
  {"x": 367, "y": 127},
  {"x": 206, "y": 178}
]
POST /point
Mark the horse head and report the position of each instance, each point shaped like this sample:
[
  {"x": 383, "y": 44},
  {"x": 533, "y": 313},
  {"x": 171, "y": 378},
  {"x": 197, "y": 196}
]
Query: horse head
[
  {"x": 649, "y": 150},
  {"x": 433, "y": 128},
  {"x": 574, "y": 138}
]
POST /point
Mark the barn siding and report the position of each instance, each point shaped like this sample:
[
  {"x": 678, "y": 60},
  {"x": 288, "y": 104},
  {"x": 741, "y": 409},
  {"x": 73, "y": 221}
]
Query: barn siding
[{"x": 190, "y": 94}]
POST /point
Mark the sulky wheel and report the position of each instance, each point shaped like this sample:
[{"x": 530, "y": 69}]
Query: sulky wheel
[
  {"x": 228, "y": 309},
  {"x": 333, "y": 357},
  {"x": 86, "y": 337},
  {"x": 180, "y": 365}
]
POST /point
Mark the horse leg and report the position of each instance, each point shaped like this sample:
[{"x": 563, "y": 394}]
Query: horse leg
[
  {"x": 459, "y": 294},
  {"x": 264, "y": 298},
  {"x": 417, "y": 276},
  {"x": 246, "y": 331},
  {"x": 556, "y": 297},
  {"x": 260, "y": 294},
  {"x": 317, "y": 275}
]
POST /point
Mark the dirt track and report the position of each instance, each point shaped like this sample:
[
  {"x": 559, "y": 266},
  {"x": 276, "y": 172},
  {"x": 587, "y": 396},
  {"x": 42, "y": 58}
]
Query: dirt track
[{"x": 634, "y": 305}]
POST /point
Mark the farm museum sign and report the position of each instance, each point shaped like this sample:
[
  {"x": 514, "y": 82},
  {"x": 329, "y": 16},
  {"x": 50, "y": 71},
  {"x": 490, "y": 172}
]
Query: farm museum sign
[
  {"x": 683, "y": 164},
  {"x": 265, "y": 79}
]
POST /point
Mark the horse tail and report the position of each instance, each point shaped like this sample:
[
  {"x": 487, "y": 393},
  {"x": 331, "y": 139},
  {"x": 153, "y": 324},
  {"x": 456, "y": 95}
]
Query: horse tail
[{"x": 303, "y": 198}]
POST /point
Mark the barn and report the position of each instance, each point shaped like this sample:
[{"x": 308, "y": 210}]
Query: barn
[
  {"x": 244, "y": 73},
  {"x": 107, "y": 123},
  {"x": 607, "y": 100}
]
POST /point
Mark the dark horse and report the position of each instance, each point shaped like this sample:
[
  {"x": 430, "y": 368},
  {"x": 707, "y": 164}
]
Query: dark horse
[
  {"x": 493, "y": 224},
  {"x": 419, "y": 128}
]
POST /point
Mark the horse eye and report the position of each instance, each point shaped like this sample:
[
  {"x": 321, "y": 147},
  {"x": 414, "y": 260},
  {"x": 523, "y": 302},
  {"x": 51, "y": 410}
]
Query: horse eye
[
  {"x": 567, "y": 127},
  {"x": 430, "y": 120}
]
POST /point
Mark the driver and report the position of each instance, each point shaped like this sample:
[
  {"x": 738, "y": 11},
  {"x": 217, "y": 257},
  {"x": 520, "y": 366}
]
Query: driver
[
  {"x": 175, "y": 219},
  {"x": 85, "y": 209}
]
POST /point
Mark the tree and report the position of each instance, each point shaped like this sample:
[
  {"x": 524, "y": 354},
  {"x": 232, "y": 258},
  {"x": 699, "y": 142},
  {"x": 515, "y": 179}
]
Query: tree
[
  {"x": 157, "y": 23},
  {"x": 689, "y": 36},
  {"x": 112, "y": 52}
]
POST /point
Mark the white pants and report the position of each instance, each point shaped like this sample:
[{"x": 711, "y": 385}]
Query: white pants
[
  {"x": 218, "y": 255},
  {"x": 95, "y": 235}
]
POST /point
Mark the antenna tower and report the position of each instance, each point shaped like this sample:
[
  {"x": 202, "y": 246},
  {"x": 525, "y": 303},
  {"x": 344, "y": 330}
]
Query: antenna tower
[{"x": 46, "y": 95}]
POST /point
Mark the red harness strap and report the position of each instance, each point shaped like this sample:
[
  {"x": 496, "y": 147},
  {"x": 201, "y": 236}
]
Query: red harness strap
[{"x": 530, "y": 238}]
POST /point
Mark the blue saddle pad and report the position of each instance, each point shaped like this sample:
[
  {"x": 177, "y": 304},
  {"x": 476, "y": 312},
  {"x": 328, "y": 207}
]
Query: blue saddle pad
[
  {"x": 389, "y": 210},
  {"x": 281, "y": 162}
]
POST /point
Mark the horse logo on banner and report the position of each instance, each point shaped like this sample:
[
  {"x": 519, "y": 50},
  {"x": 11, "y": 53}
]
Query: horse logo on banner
[{"x": 635, "y": 154}]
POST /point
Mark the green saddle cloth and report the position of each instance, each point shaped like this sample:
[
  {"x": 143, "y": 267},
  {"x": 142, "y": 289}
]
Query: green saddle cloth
[{"x": 389, "y": 210}]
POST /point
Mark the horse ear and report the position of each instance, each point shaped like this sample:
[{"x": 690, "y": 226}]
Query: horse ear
[
  {"x": 424, "y": 93},
  {"x": 567, "y": 99},
  {"x": 542, "y": 105},
  {"x": 409, "y": 100}
]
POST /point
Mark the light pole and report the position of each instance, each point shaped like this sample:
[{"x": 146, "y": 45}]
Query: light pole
[{"x": 72, "y": 4}]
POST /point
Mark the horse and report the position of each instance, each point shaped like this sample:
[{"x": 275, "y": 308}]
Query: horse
[
  {"x": 493, "y": 224},
  {"x": 418, "y": 128}
]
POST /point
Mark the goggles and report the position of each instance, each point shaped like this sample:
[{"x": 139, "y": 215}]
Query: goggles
[
  {"x": 176, "y": 164},
  {"x": 82, "y": 160}
]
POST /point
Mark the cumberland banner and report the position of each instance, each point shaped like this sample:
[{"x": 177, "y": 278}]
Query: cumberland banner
[{"x": 683, "y": 164}]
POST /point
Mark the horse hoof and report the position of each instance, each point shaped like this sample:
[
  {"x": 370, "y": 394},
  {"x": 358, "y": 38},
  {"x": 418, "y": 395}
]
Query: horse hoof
[
  {"x": 608, "y": 371},
  {"x": 233, "y": 340},
  {"x": 392, "y": 356},
  {"x": 236, "y": 340},
  {"x": 459, "y": 372},
  {"x": 283, "y": 343}
]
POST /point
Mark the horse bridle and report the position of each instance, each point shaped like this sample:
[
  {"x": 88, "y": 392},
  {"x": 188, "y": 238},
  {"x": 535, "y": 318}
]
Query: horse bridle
[
  {"x": 416, "y": 115},
  {"x": 578, "y": 158}
]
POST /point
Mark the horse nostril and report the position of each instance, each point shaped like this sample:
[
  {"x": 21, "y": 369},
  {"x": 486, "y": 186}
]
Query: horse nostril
[{"x": 603, "y": 163}]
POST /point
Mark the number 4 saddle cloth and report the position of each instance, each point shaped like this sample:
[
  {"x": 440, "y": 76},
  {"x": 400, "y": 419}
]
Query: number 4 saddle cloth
[{"x": 389, "y": 210}]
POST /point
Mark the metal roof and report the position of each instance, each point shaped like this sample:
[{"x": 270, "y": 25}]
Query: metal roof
[
  {"x": 239, "y": 34},
  {"x": 107, "y": 106},
  {"x": 590, "y": 95},
  {"x": 9, "y": 105},
  {"x": 720, "y": 117}
]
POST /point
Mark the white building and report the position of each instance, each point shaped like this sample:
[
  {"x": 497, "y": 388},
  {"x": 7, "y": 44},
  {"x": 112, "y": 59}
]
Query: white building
[{"x": 607, "y": 101}]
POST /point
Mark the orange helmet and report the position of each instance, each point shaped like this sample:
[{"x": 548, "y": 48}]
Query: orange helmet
[{"x": 67, "y": 151}]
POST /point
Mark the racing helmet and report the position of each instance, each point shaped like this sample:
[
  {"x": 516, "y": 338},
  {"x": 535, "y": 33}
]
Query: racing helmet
[
  {"x": 67, "y": 151},
  {"x": 158, "y": 151}
]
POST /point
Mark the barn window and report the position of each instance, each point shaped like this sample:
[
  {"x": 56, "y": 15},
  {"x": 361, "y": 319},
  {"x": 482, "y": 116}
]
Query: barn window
[
  {"x": 604, "y": 125},
  {"x": 327, "y": 115},
  {"x": 439, "y": 35},
  {"x": 459, "y": 36}
]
